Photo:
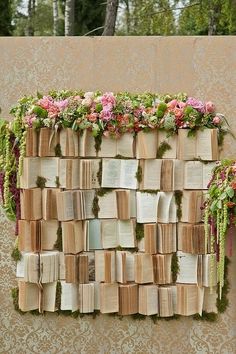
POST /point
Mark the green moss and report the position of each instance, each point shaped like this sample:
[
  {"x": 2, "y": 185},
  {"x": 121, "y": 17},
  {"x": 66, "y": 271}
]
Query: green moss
[
  {"x": 99, "y": 173},
  {"x": 58, "y": 243},
  {"x": 138, "y": 175},
  {"x": 174, "y": 267},
  {"x": 121, "y": 157},
  {"x": 164, "y": 146},
  {"x": 138, "y": 316},
  {"x": 35, "y": 313},
  {"x": 178, "y": 201},
  {"x": 103, "y": 191},
  {"x": 58, "y": 296},
  {"x": 16, "y": 254},
  {"x": 206, "y": 316},
  {"x": 223, "y": 303},
  {"x": 150, "y": 191},
  {"x": 41, "y": 182},
  {"x": 156, "y": 318},
  {"x": 95, "y": 207},
  {"x": 15, "y": 299},
  {"x": 57, "y": 150},
  {"x": 132, "y": 250},
  {"x": 139, "y": 231},
  {"x": 98, "y": 142},
  {"x": 57, "y": 182}
]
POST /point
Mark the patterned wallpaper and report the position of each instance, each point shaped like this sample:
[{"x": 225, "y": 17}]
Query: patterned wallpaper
[{"x": 201, "y": 66}]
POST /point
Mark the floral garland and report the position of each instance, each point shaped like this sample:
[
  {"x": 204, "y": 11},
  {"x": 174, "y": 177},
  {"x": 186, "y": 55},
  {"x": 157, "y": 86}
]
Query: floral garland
[{"x": 220, "y": 213}]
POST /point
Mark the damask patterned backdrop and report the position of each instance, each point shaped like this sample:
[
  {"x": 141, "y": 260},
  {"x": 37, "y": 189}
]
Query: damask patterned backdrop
[{"x": 201, "y": 66}]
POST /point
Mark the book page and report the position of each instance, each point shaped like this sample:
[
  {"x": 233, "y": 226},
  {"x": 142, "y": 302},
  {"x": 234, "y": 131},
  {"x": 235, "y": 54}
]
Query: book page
[
  {"x": 69, "y": 296},
  {"x": 108, "y": 147},
  {"x": 193, "y": 175},
  {"x": 178, "y": 175},
  {"x": 164, "y": 203},
  {"x": 99, "y": 266},
  {"x": 88, "y": 203},
  {"x": 147, "y": 207},
  {"x": 109, "y": 298},
  {"x": 173, "y": 211},
  {"x": 120, "y": 271},
  {"x": 94, "y": 234},
  {"x": 86, "y": 297},
  {"x": 111, "y": 170},
  {"x": 28, "y": 296},
  {"x": 152, "y": 174},
  {"x": 125, "y": 233},
  {"x": 87, "y": 144},
  {"x": 48, "y": 234},
  {"x": 20, "y": 267},
  {"x": 187, "y": 268},
  {"x": 133, "y": 204},
  {"x": 30, "y": 172},
  {"x": 109, "y": 233},
  {"x": 128, "y": 174},
  {"x": 207, "y": 173},
  {"x": 49, "y": 296},
  {"x": 94, "y": 173},
  {"x": 49, "y": 169},
  {"x": 107, "y": 205},
  {"x": 186, "y": 145},
  {"x": 207, "y": 144},
  {"x": 146, "y": 144},
  {"x": 125, "y": 145}
]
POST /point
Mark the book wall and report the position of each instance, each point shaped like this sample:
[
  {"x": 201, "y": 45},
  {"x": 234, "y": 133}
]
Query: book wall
[{"x": 119, "y": 229}]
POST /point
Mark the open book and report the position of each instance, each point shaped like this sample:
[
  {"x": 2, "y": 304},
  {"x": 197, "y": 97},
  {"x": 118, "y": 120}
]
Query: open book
[
  {"x": 162, "y": 268},
  {"x": 146, "y": 145},
  {"x": 49, "y": 203},
  {"x": 83, "y": 204},
  {"x": 172, "y": 175},
  {"x": 31, "y": 142},
  {"x": 148, "y": 300},
  {"x": 209, "y": 270},
  {"x": 189, "y": 299},
  {"x": 76, "y": 268},
  {"x": 109, "y": 298},
  {"x": 191, "y": 238},
  {"x": 167, "y": 300},
  {"x": 197, "y": 174},
  {"x": 203, "y": 145},
  {"x": 119, "y": 173},
  {"x": 113, "y": 205},
  {"x": 69, "y": 142},
  {"x": 210, "y": 300},
  {"x": 191, "y": 206},
  {"x": 65, "y": 208},
  {"x": 166, "y": 238},
  {"x": 143, "y": 268},
  {"x": 69, "y": 176},
  {"x": 128, "y": 299},
  {"x": 86, "y": 298},
  {"x": 150, "y": 238},
  {"x": 92, "y": 235},
  {"x": 151, "y": 174},
  {"x": 118, "y": 233},
  {"x": 69, "y": 296},
  {"x": 123, "y": 146},
  {"x": 167, "y": 210},
  {"x": 72, "y": 236},
  {"x": 88, "y": 178},
  {"x": 188, "y": 268},
  {"x": 147, "y": 204},
  {"x": 105, "y": 266},
  {"x": 48, "y": 139},
  {"x": 31, "y": 204},
  {"x": 171, "y": 141},
  {"x": 124, "y": 266},
  {"x": 87, "y": 144}
]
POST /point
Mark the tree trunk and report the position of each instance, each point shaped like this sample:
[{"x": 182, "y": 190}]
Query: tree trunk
[
  {"x": 31, "y": 13},
  {"x": 110, "y": 20},
  {"x": 69, "y": 17},
  {"x": 55, "y": 17}
]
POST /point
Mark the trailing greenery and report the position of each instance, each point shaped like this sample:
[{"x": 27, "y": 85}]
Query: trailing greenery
[
  {"x": 206, "y": 316},
  {"x": 103, "y": 191},
  {"x": 16, "y": 254},
  {"x": 131, "y": 250},
  {"x": 58, "y": 243},
  {"x": 178, "y": 201},
  {"x": 41, "y": 182},
  {"x": 99, "y": 173},
  {"x": 139, "y": 174},
  {"x": 223, "y": 302},
  {"x": 174, "y": 267},
  {"x": 139, "y": 230},
  {"x": 98, "y": 142},
  {"x": 95, "y": 207},
  {"x": 58, "y": 296},
  {"x": 163, "y": 148},
  {"x": 121, "y": 157},
  {"x": 58, "y": 152},
  {"x": 15, "y": 299}
]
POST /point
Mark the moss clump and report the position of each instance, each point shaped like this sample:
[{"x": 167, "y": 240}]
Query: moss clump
[
  {"x": 103, "y": 191},
  {"x": 138, "y": 174},
  {"x": 57, "y": 150},
  {"x": 15, "y": 299},
  {"x": 174, "y": 267},
  {"x": 132, "y": 250},
  {"x": 150, "y": 191},
  {"x": 16, "y": 254},
  {"x": 206, "y": 316},
  {"x": 121, "y": 157},
  {"x": 58, "y": 296},
  {"x": 138, "y": 316},
  {"x": 223, "y": 303},
  {"x": 139, "y": 231},
  {"x": 178, "y": 201},
  {"x": 57, "y": 182},
  {"x": 58, "y": 243},
  {"x": 99, "y": 173},
  {"x": 95, "y": 207},
  {"x": 98, "y": 142},
  {"x": 163, "y": 148},
  {"x": 41, "y": 182}
]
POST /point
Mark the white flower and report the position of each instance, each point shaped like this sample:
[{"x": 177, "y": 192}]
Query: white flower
[
  {"x": 87, "y": 102},
  {"x": 47, "y": 122},
  {"x": 89, "y": 95}
]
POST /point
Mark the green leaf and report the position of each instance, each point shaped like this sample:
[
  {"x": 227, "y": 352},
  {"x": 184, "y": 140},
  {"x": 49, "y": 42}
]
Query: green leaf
[
  {"x": 219, "y": 204},
  {"x": 40, "y": 112},
  {"x": 223, "y": 196},
  {"x": 230, "y": 192}
]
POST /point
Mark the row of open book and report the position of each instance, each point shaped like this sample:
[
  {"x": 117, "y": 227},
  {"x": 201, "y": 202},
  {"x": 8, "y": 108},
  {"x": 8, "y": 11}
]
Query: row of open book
[
  {"x": 121, "y": 266},
  {"x": 121, "y": 204},
  {"x": 203, "y": 145},
  {"x": 95, "y": 234},
  {"x": 155, "y": 174},
  {"x": 126, "y": 299}
]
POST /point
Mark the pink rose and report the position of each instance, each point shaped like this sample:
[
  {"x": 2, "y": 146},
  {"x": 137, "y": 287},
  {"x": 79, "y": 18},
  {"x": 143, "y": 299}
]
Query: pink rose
[
  {"x": 106, "y": 114},
  {"x": 216, "y": 120},
  {"x": 172, "y": 104},
  {"x": 53, "y": 111},
  {"x": 209, "y": 107},
  {"x": 45, "y": 102},
  {"x": 178, "y": 113},
  {"x": 92, "y": 117},
  {"x": 61, "y": 105},
  {"x": 108, "y": 99}
]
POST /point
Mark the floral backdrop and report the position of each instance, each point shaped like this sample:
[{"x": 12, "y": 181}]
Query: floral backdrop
[{"x": 196, "y": 65}]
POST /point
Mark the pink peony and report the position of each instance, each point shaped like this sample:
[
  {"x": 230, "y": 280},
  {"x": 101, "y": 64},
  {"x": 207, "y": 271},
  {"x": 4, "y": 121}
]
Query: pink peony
[
  {"x": 196, "y": 104},
  {"x": 30, "y": 119},
  {"x": 61, "y": 105},
  {"x": 108, "y": 99},
  {"x": 172, "y": 104},
  {"x": 106, "y": 114},
  {"x": 53, "y": 111},
  {"x": 216, "y": 120},
  {"x": 209, "y": 107},
  {"x": 45, "y": 102}
]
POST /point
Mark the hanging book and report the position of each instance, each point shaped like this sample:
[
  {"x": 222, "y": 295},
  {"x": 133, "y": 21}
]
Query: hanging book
[
  {"x": 128, "y": 299},
  {"x": 146, "y": 145},
  {"x": 148, "y": 300},
  {"x": 31, "y": 204},
  {"x": 109, "y": 298},
  {"x": 48, "y": 140},
  {"x": 118, "y": 173},
  {"x": 69, "y": 142},
  {"x": 123, "y": 146},
  {"x": 151, "y": 174}
]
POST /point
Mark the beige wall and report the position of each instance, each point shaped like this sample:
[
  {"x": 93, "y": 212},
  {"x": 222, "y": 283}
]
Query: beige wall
[{"x": 201, "y": 66}]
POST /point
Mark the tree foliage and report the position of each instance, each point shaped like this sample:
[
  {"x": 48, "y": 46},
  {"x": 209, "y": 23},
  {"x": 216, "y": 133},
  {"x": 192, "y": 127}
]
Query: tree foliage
[{"x": 5, "y": 18}]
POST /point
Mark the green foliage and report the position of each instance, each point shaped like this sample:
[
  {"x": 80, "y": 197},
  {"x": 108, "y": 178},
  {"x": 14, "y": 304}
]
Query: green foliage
[
  {"x": 139, "y": 231},
  {"x": 98, "y": 142},
  {"x": 139, "y": 174},
  {"x": 57, "y": 182},
  {"x": 58, "y": 243},
  {"x": 41, "y": 182},
  {"x": 58, "y": 152},
  {"x": 206, "y": 316},
  {"x": 223, "y": 303},
  {"x": 178, "y": 201},
  {"x": 89, "y": 14},
  {"x": 99, "y": 173},
  {"x": 103, "y": 191},
  {"x": 174, "y": 267},
  {"x": 15, "y": 299},
  {"x": 16, "y": 254},
  {"x": 5, "y": 18},
  {"x": 164, "y": 146},
  {"x": 95, "y": 207}
]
